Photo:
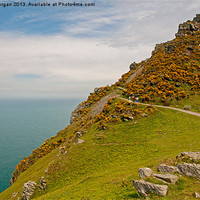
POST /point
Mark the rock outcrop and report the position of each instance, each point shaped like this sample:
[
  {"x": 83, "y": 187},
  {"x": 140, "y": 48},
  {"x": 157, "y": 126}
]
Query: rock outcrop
[
  {"x": 167, "y": 178},
  {"x": 145, "y": 172},
  {"x": 190, "y": 169},
  {"x": 76, "y": 113},
  {"x": 193, "y": 155},
  {"x": 189, "y": 27},
  {"x": 166, "y": 168},
  {"x": 28, "y": 190},
  {"x": 144, "y": 188}
]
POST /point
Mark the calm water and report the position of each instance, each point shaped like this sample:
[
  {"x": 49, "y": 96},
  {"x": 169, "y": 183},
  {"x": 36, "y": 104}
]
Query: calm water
[{"x": 24, "y": 125}]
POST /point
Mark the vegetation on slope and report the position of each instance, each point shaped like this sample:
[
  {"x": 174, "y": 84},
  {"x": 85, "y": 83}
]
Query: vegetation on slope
[{"x": 119, "y": 138}]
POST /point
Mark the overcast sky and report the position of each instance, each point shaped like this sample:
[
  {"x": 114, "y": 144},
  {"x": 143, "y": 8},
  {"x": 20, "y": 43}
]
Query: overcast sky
[{"x": 64, "y": 52}]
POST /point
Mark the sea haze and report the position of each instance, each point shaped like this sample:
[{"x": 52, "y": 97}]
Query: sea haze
[{"x": 25, "y": 125}]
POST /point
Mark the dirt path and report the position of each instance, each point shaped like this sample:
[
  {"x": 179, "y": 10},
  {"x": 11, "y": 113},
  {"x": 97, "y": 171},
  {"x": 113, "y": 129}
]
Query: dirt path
[
  {"x": 134, "y": 75},
  {"x": 185, "y": 111},
  {"x": 98, "y": 107}
]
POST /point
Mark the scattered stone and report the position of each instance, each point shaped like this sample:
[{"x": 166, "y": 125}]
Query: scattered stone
[
  {"x": 43, "y": 183},
  {"x": 166, "y": 168},
  {"x": 14, "y": 194},
  {"x": 196, "y": 195},
  {"x": 190, "y": 169},
  {"x": 46, "y": 170},
  {"x": 79, "y": 141},
  {"x": 61, "y": 150},
  {"x": 145, "y": 172},
  {"x": 145, "y": 188},
  {"x": 167, "y": 178},
  {"x": 177, "y": 84},
  {"x": 187, "y": 107},
  {"x": 194, "y": 155},
  {"x": 128, "y": 118},
  {"x": 144, "y": 115},
  {"x": 28, "y": 190},
  {"x": 79, "y": 134}
]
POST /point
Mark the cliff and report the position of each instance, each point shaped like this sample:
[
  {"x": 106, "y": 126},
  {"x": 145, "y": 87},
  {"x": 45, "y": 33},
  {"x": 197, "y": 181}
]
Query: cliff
[{"x": 119, "y": 135}]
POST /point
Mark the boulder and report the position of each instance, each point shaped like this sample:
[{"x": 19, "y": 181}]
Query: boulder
[
  {"x": 144, "y": 115},
  {"x": 79, "y": 134},
  {"x": 79, "y": 141},
  {"x": 145, "y": 172},
  {"x": 167, "y": 178},
  {"x": 166, "y": 168},
  {"x": 189, "y": 169},
  {"x": 197, "y": 18},
  {"x": 194, "y": 155},
  {"x": 187, "y": 107},
  {"x": 43, "y": 183},
  {"x": 133, "y": 66},
  {"x": 196, "y": 195},
  {"x": 61, "y": 150},
  {"x": 28, "y": 190},
  {"x": 144, "y": 188}
]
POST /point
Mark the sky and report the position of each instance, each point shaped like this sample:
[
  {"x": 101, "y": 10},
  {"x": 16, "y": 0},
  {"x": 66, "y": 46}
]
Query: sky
[{"x": 67, "y": 51}]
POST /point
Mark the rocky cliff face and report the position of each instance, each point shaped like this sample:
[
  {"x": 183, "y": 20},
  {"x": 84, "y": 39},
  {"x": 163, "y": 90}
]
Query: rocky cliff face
[{"x": 189, "y": 27}]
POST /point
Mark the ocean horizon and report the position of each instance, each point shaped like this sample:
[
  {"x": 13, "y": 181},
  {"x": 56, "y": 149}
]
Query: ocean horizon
[{"x": 25, "y": 125}]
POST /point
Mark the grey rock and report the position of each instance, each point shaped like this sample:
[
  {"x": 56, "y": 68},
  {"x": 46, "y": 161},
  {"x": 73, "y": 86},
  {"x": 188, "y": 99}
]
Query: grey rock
[
  {"x": 14, "y": 194},
  {"x": 189, "y": 169},
  {"x": 167, "y": 178},
  {"x": 193, "y": 155},
  {"x": 28, "y": 190},
  {"x": 133, "y": 66},
  {"x": 177, "y": 84},
  {"x": 188, "y": 28},
  {"x": 43, "y": 183},
  {"x": 79, "y": 141},
  {"x": 145, "y": 172},
  {"x": 97, "y": 89},
  {"x": 61, "y": 150},
  {"x": 144, "y": 115},
  {"x": 197, "y": 18},
  {"x": 79, "y": 134},
  {"x": 128, "y": 118},
  {"x": 196, "y": 195},
  {"x": 166, "y": 168},
  {"x": 145, "y": 188},
  {"x": 187, "y": 107}
]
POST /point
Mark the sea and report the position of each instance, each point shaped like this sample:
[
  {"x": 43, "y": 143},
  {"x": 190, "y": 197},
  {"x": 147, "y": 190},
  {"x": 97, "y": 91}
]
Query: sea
[{"x": 25, "y": 125}]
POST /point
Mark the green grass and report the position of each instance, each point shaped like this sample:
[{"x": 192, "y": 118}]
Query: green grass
[{"x": 104, "y": 168}]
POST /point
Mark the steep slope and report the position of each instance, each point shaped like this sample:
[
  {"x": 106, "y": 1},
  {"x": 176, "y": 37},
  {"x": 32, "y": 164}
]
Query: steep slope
[{"x": 119, "y": 136}]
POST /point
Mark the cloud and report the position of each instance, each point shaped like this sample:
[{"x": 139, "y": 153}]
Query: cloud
[
  {"x": 61, "y": 66},
  {"x": 73, "y": 50}
]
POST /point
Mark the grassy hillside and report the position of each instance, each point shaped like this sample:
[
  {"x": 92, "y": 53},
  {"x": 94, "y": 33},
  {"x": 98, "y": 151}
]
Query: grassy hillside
[
  {"x": 104, "y": 168},
  {"x": 120, "y": 136}
]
